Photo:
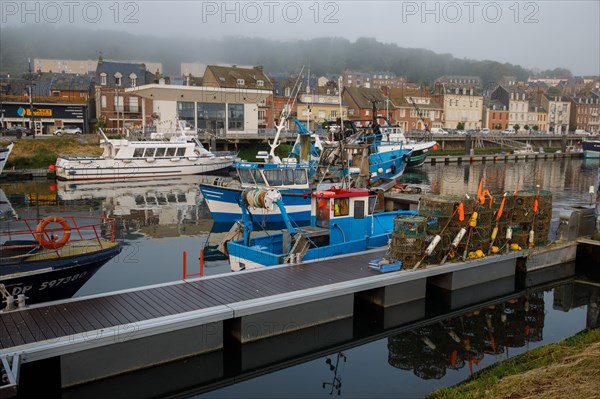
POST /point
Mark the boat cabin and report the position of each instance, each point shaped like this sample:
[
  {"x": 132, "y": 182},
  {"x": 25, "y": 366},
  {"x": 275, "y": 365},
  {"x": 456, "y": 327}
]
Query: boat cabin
[
  {"x": 153, "y": 149},
  {"x": 345, "y": 212},
  {"x": 267, "y": 175}
]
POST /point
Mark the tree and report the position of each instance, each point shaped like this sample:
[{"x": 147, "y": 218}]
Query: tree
[
  {"x": 460, "y": 126},
  {"x": 536, "y": 127},
  {"x": 572, "y": 128},
  {"x": 516, "y": 127},
  {"x": 498, "y": 126}
]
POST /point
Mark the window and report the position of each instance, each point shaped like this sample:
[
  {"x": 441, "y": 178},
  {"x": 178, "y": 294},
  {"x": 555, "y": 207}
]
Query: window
[
  {"x": 160, "y": 152},
  {"x": 181, "y": 151},
  {"x": 55, "y": 93},
  {"x": 260, "y": 83},
  {"x": 119, "y": 104},
  {"x": 241, "y": 82},
  {"x": 334, "y": 114},
  {"x": 133, "y": 104},
  {"x": 321, "y": 114},
  {"x": 118, "y": 78},
  {"x": 103, "y": 79},
  {"x": 149, "y": 152},
  {"x": 138, "y": 152},
  {"x": 185, "y": 112},
  {"x": 171, "y": 151},
  {"x": 133, "y": 79},
  {"x": 262, "y": 114},
  {"x": 103, "y": 101},
  {"x": 340, "y": 207},
  {"x": 235, "y": 117}
]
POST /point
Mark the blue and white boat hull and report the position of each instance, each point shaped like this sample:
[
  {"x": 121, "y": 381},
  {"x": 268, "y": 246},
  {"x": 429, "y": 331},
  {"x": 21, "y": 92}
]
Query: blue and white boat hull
[{"x": 223, "y": 203}]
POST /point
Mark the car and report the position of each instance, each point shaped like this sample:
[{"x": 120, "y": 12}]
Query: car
[
  {"x": 509, "y": 131},
  {"x": 18, "y": 131},
  {"x": 438, "y": 130},
  {"x": 67, "y": 130},
  {"x": 485, "y": 130},
  {"x": 582, "y": 132}
]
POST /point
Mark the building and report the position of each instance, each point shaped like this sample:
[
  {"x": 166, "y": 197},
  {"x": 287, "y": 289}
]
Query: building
[
  {"x": 415, "y": 108},
  {"x": 372, "y": 80},
  {"x": 559, "y": 110},
  {"x": 314, "y": 108},
  {"x": 462, "y": 102},
  {"x": 495, "y": 115},
  {"x": 59, "y": 99},
  {"x": 241, "y": 78},
  {"x": 360, "y": 102},
  {"x": 81, "y": 67},
  {"x": 537, "y": 117},
  {"x": 585, "y": 113},
  {"x": 195, "y": 69},
  {"x": 517, "y": 103},
  {"x": 116, "y": 108}
]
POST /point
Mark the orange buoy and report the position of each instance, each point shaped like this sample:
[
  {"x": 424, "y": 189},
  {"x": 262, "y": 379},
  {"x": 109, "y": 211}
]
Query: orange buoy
[
  {"x": 41, "y": 236},
  {"x": 324, "y": 194}
]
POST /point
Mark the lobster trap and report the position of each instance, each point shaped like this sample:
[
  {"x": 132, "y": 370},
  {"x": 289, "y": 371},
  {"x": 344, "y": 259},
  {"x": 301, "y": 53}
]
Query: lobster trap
[{"x": 409, "y": 239}]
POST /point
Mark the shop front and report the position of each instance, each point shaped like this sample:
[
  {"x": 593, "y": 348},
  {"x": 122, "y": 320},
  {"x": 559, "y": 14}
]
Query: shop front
[{"x": 46, "y": 117}]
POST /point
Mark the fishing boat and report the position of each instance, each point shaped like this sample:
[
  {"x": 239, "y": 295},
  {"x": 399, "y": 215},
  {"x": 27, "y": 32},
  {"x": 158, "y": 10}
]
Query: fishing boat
[
  {"x": 291, "y": 179},
  {"x": 591, "y": 147},
  {"x": 40, "y": 262},
  {"x": 394, "y": 136},
  {"x": 290, "y": 176},
  {"x": 343, "y": 222},
  {"x": 4, "y": 154},
  {"x": 124, "y": 159}
]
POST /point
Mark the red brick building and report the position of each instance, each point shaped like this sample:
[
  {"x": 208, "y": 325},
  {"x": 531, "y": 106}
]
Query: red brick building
[{"x": 585, "y": 113}]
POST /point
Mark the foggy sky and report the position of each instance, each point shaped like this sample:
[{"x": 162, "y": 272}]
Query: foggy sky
[{"x": 535, "y": 34}]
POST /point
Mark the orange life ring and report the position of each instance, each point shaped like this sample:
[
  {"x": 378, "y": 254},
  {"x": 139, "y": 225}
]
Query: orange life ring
[{"x": 40, "y": 235}]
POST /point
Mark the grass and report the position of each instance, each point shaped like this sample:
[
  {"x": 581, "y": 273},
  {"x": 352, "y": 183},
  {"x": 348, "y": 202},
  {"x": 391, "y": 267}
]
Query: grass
[
  {"x": 40, "y": 153},
  {"x": 566, "y": 369}
]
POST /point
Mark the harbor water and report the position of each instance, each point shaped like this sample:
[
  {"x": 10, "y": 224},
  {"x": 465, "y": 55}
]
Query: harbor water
[{"x": 159, "y": 220}]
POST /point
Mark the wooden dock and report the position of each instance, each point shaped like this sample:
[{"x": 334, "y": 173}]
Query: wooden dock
[{"x": 134, "y": 329}]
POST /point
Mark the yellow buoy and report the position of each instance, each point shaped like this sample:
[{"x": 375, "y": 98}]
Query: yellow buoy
[
  {"x": 495, "y": 249},
  {"x": 479, "y": 253}
]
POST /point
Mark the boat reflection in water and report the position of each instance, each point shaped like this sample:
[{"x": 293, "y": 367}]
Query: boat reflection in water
[{"x": 156, "y": 207}]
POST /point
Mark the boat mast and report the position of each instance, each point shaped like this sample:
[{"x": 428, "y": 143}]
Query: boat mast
[{"x": 285, "y": 113}]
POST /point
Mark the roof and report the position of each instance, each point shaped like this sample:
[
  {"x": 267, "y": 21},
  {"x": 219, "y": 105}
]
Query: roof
[
  {"x": 491, "y": 103},
  {"x": 400, "y": 97},
  {"x": 364, "y": 97},
  {"x": 111, "y": 68},
  {"x": 229, "y": 76}
]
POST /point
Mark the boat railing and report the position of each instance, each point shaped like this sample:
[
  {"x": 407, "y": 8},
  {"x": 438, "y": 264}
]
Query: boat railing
[{"x": 86, "y": 230}]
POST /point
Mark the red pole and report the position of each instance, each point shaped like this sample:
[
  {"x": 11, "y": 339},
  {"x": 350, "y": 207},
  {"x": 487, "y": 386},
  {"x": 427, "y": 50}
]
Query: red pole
[
  {"x": 202, "y": 262},
  {"x": 184, "y": 264}
]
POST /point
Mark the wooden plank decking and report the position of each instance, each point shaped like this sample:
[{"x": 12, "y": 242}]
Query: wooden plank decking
[{"x": 52, "y": 321}]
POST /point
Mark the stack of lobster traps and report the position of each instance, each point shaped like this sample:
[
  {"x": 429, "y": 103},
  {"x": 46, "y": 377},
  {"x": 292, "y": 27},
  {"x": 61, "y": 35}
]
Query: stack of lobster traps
[
  {"x": 455, "y": 228},
  {"x": 527, "y": 219}
]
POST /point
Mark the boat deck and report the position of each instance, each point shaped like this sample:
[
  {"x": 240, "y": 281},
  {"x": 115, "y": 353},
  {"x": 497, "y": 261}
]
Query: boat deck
[{"x": 52, "y": 321}]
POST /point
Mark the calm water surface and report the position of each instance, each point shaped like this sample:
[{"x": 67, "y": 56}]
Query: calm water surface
[{"x": 158, "y": 220}]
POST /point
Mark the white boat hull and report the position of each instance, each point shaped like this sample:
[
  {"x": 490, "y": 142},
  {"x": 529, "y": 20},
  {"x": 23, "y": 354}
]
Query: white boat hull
[{"x": 73, "y": 169}]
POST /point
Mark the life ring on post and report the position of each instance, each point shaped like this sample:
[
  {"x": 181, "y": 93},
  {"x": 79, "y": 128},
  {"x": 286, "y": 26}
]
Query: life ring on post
[
  {"x": 41, "y": 236},
  {"x": 197, "y": 152}
]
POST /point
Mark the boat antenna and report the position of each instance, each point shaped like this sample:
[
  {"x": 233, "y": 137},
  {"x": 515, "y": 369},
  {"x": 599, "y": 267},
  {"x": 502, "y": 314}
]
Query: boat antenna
[{"x": 285, "y": 113}]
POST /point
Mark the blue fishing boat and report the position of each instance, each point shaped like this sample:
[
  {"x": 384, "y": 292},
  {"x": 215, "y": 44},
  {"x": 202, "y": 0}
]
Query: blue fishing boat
[
  {"x": 40, "y": 262},
  {"x": 343, "y": 222},
  {"x": 292, "y": 180},
  {"x": 591, "y": 147}
]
